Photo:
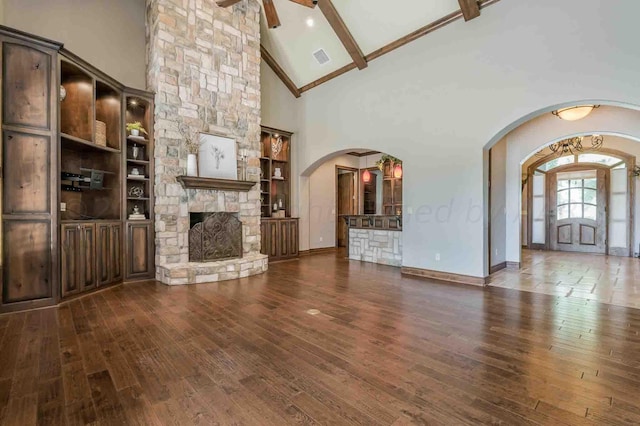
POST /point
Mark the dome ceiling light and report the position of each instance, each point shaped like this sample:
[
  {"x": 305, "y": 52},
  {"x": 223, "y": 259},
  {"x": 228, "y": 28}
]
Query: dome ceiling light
[{"x": 574, "y": 113}]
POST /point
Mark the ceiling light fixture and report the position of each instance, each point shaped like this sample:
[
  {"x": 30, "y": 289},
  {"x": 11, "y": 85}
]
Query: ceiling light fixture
[
  {"x": 310, "y": 22},
  {"x": 573, "y": 145},
  {"x": 574, "y": 113}
]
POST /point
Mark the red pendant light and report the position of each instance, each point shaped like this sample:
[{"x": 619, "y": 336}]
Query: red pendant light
[
  {"x": 397, "y": 171},
  {"x": 366, "y": 176}
]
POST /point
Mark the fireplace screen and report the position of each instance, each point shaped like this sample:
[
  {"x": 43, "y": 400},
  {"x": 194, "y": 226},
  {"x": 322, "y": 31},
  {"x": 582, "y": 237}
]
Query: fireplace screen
[{"x": 214, "y": 236}]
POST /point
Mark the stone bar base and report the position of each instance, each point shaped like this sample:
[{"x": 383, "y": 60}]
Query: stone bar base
[
  {"x": 376, "y": 246},
  {"x": 196, "y": 273}
]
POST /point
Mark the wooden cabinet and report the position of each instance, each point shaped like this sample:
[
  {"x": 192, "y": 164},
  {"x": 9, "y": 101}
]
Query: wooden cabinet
[
  {"x": 275, "y": 171},
  {"x": 68, "y": 164},
  {"x": 279, "y": 238},
  {"x": 29, "y": 153},
  {"x": 78, "y": 257},
  {"x": 139, "y": 253},
  {"x": 391, "y": 191},
  {"x": 108, "y": 253}
]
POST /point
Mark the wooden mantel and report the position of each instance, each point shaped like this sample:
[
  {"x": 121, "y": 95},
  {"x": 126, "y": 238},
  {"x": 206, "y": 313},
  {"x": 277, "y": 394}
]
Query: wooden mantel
[{"x": 193, "y": 182}]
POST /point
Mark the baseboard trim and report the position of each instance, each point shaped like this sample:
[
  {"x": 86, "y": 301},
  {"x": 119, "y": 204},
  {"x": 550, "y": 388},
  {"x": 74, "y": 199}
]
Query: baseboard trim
[
  {"x": 323, "y": 250},
  {"x": 513, "y": 266},
  {"x": 444, "y": 276},
  {"x": 499, "y": 267}
]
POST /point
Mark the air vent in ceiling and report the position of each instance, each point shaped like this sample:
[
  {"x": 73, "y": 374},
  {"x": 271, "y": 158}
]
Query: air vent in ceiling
[{"x": 321, "y": 56}]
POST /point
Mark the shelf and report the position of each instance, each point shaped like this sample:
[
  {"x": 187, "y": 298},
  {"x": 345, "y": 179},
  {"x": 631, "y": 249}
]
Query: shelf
[
  {"x": 84, "y": 145},
  {"x": 138, "y": 139},
  {"x": 131, "y": 160},
  {"x": 278, "y": 178},
  {"x": 141, "y": 178},
  {"x": 192, "y": 182},
  {"x": 138, "y": 198},
  {"x": 264, "y": 180},
  {"x": 280, "y": 161},
  {"x": 265, "y": 158}
]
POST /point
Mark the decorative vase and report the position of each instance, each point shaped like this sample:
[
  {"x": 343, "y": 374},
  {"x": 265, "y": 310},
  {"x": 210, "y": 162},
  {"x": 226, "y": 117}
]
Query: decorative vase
[
  {"x": 192, "y": 165},
  {"x": 135, "y": 132},
  {"x": 135, "y": 150}
]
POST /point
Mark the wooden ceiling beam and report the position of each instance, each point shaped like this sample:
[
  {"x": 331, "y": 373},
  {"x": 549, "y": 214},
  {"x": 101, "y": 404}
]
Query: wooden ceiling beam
[
  {"x": 308, "y": 3},
  {"x": 227, "y": 3},
  {"x": 470, "y": 9},
  {"x": 343, "y": 33},
  {"x": 266, "y": 56},
  {"x": 272, "y": 14}
]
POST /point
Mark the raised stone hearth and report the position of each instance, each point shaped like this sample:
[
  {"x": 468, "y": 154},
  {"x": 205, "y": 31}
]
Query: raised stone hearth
[{"x": 204, "y": 66}]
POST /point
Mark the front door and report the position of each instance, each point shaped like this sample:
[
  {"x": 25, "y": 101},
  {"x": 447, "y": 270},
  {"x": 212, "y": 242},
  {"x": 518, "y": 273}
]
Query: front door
[{"x": 577, "y": 211}]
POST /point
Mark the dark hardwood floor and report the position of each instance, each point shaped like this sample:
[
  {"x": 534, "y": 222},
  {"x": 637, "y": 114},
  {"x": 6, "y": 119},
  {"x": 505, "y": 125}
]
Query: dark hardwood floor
[{"x": 382, "y": 350}]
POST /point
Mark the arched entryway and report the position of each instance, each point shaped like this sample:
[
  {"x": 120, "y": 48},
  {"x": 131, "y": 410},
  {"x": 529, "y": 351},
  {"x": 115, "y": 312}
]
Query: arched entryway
[{"x": 579, "y": 201}]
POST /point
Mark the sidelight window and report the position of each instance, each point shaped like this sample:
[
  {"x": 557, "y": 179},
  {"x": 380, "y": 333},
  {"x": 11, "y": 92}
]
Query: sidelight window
[{"x": 577, "y": 198}]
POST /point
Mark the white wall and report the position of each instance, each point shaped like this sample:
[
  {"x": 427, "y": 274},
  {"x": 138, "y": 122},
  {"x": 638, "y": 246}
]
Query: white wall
[
  {"x": 322, "y": 201},
  {"x": 109, "y": 34},
  {"x": 498, "y": 202},
  {"x": 439, "y": 101},
  {"x": 525, "y": 140}
]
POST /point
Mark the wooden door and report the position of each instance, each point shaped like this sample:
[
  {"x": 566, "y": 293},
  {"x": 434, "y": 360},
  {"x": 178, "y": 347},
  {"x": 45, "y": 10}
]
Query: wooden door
[
  {"x": 577, "y": 211},
  {"x": 345, "y": 205},
  {"x": 29, "y": 125},
  {"x": 87, "y": 255},
  {"x": 70, "y": 259},
  {"x": 139, "y": 254},
  {"x": 273, "y": 249}
]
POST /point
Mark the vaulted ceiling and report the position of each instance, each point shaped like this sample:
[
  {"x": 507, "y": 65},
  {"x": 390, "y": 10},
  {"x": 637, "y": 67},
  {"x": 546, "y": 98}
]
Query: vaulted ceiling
[{"x": 350, "y": 32}]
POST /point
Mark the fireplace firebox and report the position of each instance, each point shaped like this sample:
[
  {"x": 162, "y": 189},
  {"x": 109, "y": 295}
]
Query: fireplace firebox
[{"x": 214, "y": 236}]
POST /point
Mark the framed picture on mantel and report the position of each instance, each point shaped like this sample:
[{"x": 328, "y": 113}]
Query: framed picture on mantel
[{"x": 217, "y": 157}]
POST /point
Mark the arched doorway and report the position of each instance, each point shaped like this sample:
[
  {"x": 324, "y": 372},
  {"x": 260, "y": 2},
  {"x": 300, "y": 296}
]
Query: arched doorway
[{"x": 580, "y": 202}]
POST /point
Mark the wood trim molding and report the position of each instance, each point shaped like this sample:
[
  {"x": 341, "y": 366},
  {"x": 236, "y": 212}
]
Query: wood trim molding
[
  {"x": 270, "y": 12},
  {"x": 193, "y": 182},
  {"x": 444, "y": 276},
  {"x": 330, "y": 76},
  {"x": 266, "y": 56},
  {"x": 340, "y": 28},
  {"x": 498, "y": 267},
  {"x": 226, "y": 3},
  {"x": 513, "y": 266},
  {"x": 315, "y": 251},
  {"x": 469, "y": 8},
  {"x": 363, "y": 154}
]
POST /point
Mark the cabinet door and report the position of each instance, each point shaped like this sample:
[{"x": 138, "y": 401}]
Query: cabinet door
[
  {"x": 293, "y": 238},
  {"x": 88, "y": 256},
  {"x": 70, "y": 259},
  {"x": 115, "y": 252},
  {"x": 283, "y": 238},
  {"x": 103, "y": 258},
  {"x": 139, "y": 254},
  {"x": 273, "y": 250}
]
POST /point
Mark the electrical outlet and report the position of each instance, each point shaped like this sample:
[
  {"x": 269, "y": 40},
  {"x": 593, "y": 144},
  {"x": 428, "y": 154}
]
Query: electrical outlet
[
  {"x": 63, "y": 207},
  {"x": 437, "y": 257},
  {"x": 321, "y": 239},
  {"x": 496, "y": 252}
]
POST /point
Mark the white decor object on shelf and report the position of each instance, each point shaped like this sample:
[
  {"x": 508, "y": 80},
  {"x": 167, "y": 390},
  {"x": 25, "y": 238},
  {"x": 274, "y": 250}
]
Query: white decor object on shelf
[
  {"x": 217, "y": 157},
  {"x": 192, "y": 165},
  {"x": 277, "y": 173}
]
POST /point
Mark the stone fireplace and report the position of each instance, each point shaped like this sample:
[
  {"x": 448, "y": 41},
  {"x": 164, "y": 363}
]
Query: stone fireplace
[
  {"x": 214, "y": 236},
  {"x": 204, "y": 67}
]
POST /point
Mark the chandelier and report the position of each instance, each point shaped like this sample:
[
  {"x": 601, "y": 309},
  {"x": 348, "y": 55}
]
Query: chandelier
[{"x": 573, "y": 145}]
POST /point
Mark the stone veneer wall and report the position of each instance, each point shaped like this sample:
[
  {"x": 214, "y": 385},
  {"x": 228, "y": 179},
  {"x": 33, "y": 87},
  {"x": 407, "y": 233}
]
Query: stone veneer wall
[
  {"x": 204, "y": 66},
  {"x": 377, "y": 246}
]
